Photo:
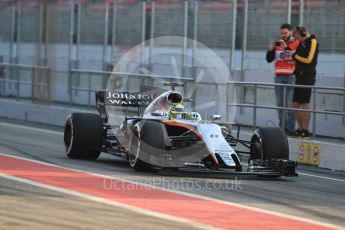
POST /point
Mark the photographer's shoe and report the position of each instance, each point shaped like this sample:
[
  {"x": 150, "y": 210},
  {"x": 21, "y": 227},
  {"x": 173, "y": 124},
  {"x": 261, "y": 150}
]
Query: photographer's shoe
[{"x": 305, "y": 134}]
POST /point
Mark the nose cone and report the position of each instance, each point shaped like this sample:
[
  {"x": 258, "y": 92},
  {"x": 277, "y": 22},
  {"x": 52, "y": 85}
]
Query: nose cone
[{"x": 216, "y": 143}]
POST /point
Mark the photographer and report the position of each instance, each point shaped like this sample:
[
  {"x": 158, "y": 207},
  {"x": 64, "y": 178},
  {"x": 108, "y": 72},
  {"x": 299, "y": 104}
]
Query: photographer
[
  {"x": 306, "y": 60},
  {"x": 284, "y": 73}
]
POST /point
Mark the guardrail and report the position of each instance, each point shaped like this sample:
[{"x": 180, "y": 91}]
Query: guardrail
[
  {"x": 38, "y": 78},
  {"x": 286, "y": 108},
  {"x": 90, "y": 88}
]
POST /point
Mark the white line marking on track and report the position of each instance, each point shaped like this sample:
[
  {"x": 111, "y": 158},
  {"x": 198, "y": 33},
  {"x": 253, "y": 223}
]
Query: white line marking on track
[
  {"x": 311, "y": 175},
  {"x": 322, "y": 177},
  {"x": 190, "y": 194},
  {"x": 112, "y": 203},
  {"x": 31, "y": 128}
]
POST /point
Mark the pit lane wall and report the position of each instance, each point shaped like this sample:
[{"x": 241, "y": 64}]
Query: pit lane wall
[
  {"x": 324, "y": 154},
  {"x": 319, "y": 153}
]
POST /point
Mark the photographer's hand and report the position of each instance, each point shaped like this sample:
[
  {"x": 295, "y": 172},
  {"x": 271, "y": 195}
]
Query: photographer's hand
[{"x": 271, "y": 46}]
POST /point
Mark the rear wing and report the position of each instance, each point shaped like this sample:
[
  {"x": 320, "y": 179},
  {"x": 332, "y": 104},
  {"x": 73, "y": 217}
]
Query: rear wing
[{"x": 125, "y": 99}]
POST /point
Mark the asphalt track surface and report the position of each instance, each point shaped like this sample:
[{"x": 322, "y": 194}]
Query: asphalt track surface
[{"x": 317, "y": 195}]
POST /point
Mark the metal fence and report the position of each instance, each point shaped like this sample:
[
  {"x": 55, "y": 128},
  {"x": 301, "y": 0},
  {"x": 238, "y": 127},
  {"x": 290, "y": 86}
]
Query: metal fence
[
  {"x": 25, "y": 82},
  {"x": 84, "y": 83},
  {"x": 316, "y": 93}
]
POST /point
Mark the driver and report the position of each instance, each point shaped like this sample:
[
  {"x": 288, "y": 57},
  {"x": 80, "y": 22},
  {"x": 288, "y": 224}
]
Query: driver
[{"x": 177, "y": 111}]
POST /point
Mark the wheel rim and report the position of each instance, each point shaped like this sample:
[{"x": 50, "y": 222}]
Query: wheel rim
[
  {"x": 256, "y": 147},
  {"x": 68, "y": 134},
  {"x": 134, "y": 158}
]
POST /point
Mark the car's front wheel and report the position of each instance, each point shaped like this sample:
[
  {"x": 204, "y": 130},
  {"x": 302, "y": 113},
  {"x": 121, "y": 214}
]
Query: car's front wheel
[{"x": 269, "y": 143}]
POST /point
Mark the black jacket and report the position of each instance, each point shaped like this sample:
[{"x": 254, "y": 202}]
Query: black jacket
[{"x": 306, "y": 60}]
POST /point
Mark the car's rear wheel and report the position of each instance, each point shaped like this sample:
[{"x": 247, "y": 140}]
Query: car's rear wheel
[
  {"x": 83, "y": 135},
  {"x": 269, "y": 143}
]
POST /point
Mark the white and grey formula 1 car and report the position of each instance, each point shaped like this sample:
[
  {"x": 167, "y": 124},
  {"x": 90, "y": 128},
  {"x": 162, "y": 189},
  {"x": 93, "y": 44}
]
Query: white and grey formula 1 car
[{"x": 186, "y": 143}]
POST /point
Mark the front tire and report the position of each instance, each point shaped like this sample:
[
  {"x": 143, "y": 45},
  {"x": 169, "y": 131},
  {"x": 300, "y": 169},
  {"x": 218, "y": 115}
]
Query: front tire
[
  {"x": 83, "y": 135},
  {"x": 269, "y": 143}
]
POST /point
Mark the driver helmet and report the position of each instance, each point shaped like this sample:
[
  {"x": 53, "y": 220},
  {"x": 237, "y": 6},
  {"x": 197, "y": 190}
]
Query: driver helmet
[{"x": 177, "y": 111}]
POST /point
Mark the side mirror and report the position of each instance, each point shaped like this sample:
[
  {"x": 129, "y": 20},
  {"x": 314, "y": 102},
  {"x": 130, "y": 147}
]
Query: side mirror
[
  {"x": 215, "y": 117},
  {"x": 196, "y": 116}
]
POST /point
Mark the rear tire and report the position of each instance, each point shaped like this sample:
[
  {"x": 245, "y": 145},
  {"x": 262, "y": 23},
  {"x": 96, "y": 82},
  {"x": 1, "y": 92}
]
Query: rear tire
[
  {"x": 83, "y": 136},
  {"x": 269, "y": 143}
]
